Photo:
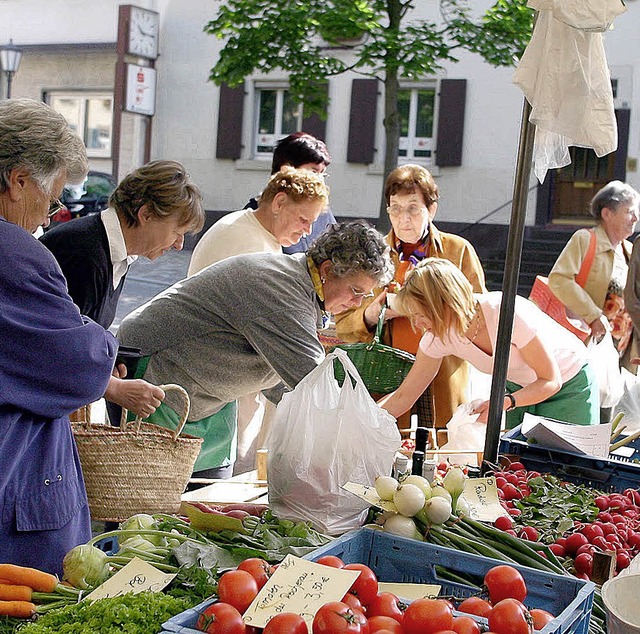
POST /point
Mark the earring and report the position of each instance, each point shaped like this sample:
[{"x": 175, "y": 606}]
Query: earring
[{"x": 323, "y": 279}]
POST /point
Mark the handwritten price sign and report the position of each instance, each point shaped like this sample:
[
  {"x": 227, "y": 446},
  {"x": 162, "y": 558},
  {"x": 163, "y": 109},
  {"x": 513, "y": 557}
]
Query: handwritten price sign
[
  {"x": 482, "y": 495},
  {"x": 299, "y": 586}
]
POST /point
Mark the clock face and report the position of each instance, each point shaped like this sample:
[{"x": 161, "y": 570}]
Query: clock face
[{"x": 143, "y": 33}]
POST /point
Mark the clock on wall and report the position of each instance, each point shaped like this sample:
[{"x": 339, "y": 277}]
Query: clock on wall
[{"x": 142, "y": 32}]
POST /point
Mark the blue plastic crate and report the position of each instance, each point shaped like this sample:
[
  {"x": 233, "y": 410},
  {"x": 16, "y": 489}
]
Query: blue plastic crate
[
  {"x": 108, "y": 544},
  {"x": 185, "y": 622},
  {"x": 398, "y": 559},
  {"x": 614, "y": 474}
]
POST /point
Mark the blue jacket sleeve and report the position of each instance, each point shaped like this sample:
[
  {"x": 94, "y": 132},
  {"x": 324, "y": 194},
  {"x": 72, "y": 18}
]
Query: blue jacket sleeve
[{"x": 52, "y": 360}]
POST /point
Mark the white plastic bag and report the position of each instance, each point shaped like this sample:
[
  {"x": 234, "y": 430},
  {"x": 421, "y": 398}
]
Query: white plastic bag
[
  {"x": 465, "y": 434},
  {"x": 629, "y": 405},
  {"x": 323, "y": 436},
  {"x": 605, "y": 361}
]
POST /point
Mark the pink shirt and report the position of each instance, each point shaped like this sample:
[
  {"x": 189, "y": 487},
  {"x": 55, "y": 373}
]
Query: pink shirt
[{"x": 569, "y": 352}]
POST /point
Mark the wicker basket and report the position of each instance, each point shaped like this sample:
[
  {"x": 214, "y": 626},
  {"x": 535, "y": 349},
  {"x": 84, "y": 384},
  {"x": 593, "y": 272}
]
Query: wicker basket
[
  {"x": 381, "y": 367},
  {"x": 135, "y": 468}
]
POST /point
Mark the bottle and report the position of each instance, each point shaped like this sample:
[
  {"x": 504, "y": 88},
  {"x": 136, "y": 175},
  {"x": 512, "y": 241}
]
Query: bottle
[
  {"x": 422, "y": 435},
  {"x": 417, "y": 462},
  {"x": 401, "y": 467},
  {"x": 429, "y": 469}
]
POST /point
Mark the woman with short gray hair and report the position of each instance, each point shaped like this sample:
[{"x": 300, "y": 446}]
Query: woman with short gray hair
[
  {"x": 249, "y": 323},
  {"x": 52, "y": 360},
  {"x": 606, "y": 251}
]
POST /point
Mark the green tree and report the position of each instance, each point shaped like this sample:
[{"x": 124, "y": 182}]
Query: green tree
[{"x": 392, "y": 44}]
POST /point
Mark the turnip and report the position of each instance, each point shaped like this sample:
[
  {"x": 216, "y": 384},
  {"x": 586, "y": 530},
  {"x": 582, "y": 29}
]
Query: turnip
[
  {"x": 439, "y": 491},
  {"x": 386, "y": 486},
  {"x": 437, "y": 510},
  {"x": 403, "y": 526}
]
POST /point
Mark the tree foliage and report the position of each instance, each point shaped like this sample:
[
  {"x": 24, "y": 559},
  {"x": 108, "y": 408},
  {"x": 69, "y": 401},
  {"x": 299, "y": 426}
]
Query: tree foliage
[{"x": 306, "y": 40}]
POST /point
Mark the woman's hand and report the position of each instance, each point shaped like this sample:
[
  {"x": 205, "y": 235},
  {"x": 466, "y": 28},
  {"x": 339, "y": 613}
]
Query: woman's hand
[
  {"x": 119, "y": 371},
  {"x": 137, "y": 396},
  {"x": 599, "y": 328},
  {"x": 482, "y": 408},
  {"x": 372, "y": 311}
]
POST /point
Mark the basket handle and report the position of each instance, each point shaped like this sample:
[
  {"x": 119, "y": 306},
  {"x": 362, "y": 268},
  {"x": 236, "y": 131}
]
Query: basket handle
[
  {"x": 380, "y": 325},
  {"x": 183, "y": 416}
]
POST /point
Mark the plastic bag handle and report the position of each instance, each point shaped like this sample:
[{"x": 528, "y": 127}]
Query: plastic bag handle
[
  {"x": 380, "y": 325},
  {"x": 348, "y": 365},
  {"x": 183, "y": 416}
]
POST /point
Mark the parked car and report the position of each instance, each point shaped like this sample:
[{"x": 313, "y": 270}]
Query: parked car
[{"x": 90, "y": 197}]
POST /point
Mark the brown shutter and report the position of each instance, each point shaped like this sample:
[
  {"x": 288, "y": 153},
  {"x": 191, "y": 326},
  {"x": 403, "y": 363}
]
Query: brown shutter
[
  {"x": 451, "y": 107},
  {"x": 314, "y": 124},
  {"x": 230, "y": 110},
  {"x": 362, "y": 121},
  {"x": 620, "y": 165}
]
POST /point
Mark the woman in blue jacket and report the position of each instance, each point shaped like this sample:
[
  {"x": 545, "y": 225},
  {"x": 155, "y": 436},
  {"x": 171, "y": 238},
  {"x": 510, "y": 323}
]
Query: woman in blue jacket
[{"x": 52, "y": 360}]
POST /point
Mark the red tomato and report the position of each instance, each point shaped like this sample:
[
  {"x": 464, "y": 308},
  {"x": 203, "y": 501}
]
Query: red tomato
[
  {"x": 465, "y": 625},
  {"x": 365, "y": 587},
  {"x": 505, "y": 582},
  {"x": 353, "y": 602},
  {"x": 286, "y": 623},
  {"x": 238, "y": 588},
  {"x": 540, "y": 618},
  {"x": 331, "y": 560},
  {"x": 509, "y": 616},
  {"x": 258, "y": 568},
  {"x": 221, "y": 618},
  {"x": 337, "y": 618},
  {"x": 387, "y": 604},
  {"x": 476, "y": 606},
  {"x": 427, "y": 616},
  {"x": 384, "y": 623}
]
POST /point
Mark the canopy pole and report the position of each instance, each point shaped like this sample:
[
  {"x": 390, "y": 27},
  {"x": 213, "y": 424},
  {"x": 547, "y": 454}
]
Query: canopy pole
[{"x": 509, "y": 287}]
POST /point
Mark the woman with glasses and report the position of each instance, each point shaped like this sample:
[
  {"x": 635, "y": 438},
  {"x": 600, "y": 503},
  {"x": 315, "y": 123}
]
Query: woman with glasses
[
  {"x": 249, "y": 323},
  {"x": 52, "y": 359},
  {"x": 412, "y": 198},
  {"x": 548, "y": 374}
]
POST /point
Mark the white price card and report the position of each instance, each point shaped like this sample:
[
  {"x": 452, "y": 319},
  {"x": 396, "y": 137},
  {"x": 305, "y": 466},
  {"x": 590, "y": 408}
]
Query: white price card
[
  {"x": 482, "y": 495},
  {"x": 410, "y": 591},
  {"x": 369, "y": 495},
  {"x": 299, "y": 586},
  {"x": 137, "y": 576}
]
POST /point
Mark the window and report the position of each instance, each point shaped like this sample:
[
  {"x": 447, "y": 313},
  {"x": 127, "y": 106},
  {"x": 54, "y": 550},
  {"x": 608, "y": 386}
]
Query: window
[
  {"x": 90, "y": 115},
  {"x": 416, "y": 108},
  {"x": 276, "y": 116}
]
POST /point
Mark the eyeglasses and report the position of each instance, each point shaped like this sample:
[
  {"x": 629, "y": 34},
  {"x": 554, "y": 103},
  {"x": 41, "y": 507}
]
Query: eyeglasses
[
  {"x": 360, "y": 294},
  {"x": 54, "y": 207},
  {"x": 413, "y": 210}
]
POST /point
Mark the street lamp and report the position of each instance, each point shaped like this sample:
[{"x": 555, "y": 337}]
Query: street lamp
[{"x": 10, "y": 57}]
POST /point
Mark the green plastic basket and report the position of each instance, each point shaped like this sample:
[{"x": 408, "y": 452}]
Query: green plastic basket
[{"x": 381, "y": 367}]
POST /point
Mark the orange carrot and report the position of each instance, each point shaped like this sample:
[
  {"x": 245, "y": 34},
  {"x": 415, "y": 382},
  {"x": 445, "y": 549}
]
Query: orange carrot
[
  {"x": 35, "y": 579},
  {"x": 11, "y": 592},
  {"x": 18, "y": 609}
]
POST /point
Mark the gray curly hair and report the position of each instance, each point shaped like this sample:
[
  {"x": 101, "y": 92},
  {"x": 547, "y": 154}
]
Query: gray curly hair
[
  {"x": 35, "y": 137},
  {"x": 353, "y": 247},
  {"x": 611, "y": 195}
]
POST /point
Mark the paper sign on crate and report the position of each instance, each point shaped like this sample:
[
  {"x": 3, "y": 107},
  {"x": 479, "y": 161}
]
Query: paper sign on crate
[
  {"x": 482, "y": 495},
  {"x": 369, "y": 495},
  {"x": 299, "y": 586},
  {"x": 410, "y": 591},
  {"x": 137, "y": 576}
]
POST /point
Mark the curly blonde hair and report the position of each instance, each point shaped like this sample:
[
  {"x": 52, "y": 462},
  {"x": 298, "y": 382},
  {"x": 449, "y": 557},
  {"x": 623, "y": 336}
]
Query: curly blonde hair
[{"x": 299, "y": 185}]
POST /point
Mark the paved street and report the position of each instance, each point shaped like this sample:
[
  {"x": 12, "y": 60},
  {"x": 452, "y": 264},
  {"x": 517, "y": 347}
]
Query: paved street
[{"x": 146, "y": 279}]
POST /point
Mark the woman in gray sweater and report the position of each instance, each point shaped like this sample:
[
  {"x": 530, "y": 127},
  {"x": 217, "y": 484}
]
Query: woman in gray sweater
[{"x": 249, "y": 323}]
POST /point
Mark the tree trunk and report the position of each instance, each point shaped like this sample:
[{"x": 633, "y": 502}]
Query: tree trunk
[{"x": 392, "y": 140}]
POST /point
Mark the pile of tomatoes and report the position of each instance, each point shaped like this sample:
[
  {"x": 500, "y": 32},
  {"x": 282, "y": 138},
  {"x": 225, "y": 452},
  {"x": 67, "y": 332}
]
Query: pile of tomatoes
[{"x": 366, "y": 610}]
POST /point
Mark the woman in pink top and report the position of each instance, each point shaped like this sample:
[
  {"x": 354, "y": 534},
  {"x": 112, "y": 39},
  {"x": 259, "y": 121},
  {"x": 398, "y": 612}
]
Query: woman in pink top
[{"x": 548, "y": 374}]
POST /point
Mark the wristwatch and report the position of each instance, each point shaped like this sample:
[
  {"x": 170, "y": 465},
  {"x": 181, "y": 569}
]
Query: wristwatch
[{"x": 512, "y": 400}]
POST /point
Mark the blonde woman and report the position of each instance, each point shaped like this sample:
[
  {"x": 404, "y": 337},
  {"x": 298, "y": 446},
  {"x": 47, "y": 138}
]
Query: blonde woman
[{"x": 548, "y": 372}]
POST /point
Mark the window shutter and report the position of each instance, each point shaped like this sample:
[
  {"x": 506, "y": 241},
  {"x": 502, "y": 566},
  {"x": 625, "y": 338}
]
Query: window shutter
[
  {"x": 362, "y": 121},
  {"x": 620, "y": 165},
  {"x": 314, "y": 124},
  {"x": 451, "y": 107},
  {"x": 230, "y": 110}
]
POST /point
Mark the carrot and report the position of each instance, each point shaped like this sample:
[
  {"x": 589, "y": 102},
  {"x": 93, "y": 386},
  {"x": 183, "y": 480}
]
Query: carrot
[
  {"x": 11, "y": 592},
  {"x": 17, "y": 609},
  {"x": 35, "y": 579}
]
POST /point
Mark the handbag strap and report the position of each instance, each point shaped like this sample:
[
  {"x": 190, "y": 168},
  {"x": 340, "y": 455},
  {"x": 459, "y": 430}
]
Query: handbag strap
[
  {"x": 379, "y": 326},
  {"x": 583, "y": 273}
]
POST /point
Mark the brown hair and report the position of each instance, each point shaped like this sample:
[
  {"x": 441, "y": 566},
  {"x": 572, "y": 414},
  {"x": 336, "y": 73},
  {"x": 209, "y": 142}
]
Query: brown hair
[
  {"x": 298, "y": 184},
  {"x": 165, "y": 188},
  {"x": 408, "y": 178}
]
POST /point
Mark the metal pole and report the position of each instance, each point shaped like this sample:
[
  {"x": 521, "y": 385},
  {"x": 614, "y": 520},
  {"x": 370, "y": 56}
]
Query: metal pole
[
  {"x": 9, "y": 80},
  {"x": 509, "y": 286}
]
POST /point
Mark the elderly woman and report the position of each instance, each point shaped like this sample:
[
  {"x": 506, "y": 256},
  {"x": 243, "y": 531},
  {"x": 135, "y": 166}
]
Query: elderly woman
[
  {"x": 52, "y": 360},
  {"x": 290, "y": 203},
  {"x": 601, "y": 302},
  {"x": 412, "y": 198},
  {"x": 548, "y": 373},
  {"x": 149, "y": 213},
  {"x": 249, "y": 323}
]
